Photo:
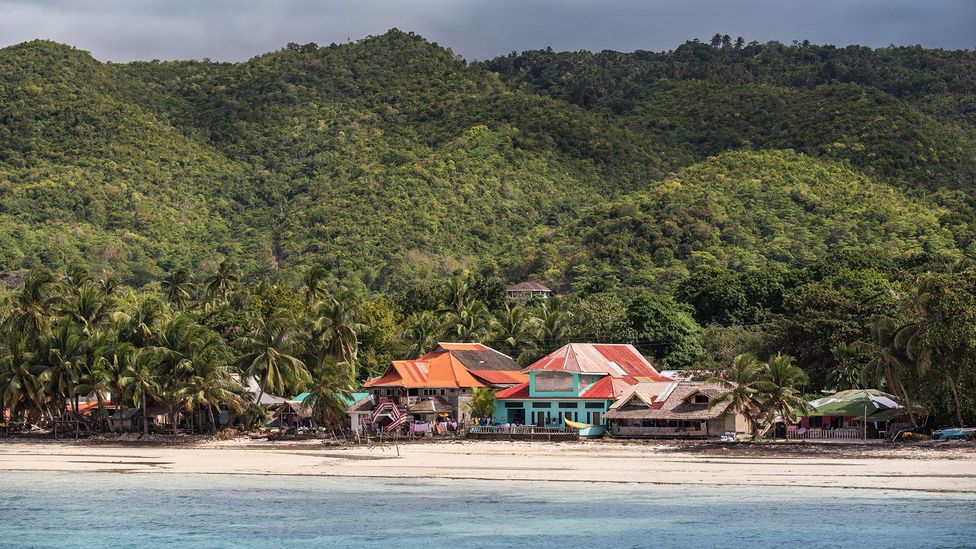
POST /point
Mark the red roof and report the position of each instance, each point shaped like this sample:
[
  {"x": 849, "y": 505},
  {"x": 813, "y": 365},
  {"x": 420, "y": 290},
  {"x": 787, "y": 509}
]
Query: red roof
[
  {"x": 606, "y": 388},
  {"x": 519, "y": 391},
  {"x": 617, "y": 360},
  {"x": 609, "y": 387}
]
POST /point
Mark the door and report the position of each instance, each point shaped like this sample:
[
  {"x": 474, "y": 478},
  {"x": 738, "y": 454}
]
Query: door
[
  {"x": 540, "y": 419},
  {"x": 516, "y": 416},
  {"x": 596, "y": 418}
]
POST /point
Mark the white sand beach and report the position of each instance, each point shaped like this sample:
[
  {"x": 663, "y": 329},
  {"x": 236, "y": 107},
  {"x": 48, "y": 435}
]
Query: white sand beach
[{"x": 949, "y": 469}]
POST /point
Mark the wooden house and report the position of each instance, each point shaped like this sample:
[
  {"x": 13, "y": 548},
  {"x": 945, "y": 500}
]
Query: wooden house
[{"x": 674, "y": 410}]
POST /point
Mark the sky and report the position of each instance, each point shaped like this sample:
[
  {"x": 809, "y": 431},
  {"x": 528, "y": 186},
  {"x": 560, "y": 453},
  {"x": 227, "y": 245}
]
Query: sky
[{"x": 226, "y": 30}]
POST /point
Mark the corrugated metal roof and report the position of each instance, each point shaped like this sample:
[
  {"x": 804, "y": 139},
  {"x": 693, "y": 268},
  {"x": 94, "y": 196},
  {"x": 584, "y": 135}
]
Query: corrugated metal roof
[
  {"x": 617, "y": 360},
  {"x": 441, "y": 370},
  {"x": 528, "y": 286},
  {"x": 519, "y": 391}
]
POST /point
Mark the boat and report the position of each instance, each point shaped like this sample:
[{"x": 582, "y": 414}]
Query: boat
[
  {"x": 587, "y": 430},
  {"x": 952, "y": 434}
]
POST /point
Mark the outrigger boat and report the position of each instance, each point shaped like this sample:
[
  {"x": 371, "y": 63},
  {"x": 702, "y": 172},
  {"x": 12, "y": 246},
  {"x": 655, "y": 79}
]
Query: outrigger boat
[{"x": 585, "y": 429}]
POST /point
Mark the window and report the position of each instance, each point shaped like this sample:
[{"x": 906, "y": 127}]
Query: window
[
  {"x": 701, "y": 399},
  {"x": 443, "y": 392},
  {"x": 553, "y": 382},
  {"x": 412, "y": 392},
  {"x": 514, "y": 404},
  {"x": 542, "y": 405},
  {"x": 567, "y": 405},
  {"x": 594, "y": 405}
]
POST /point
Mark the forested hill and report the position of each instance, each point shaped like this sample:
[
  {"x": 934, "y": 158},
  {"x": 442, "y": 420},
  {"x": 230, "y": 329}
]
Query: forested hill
[{"x": 394, "y": 155}]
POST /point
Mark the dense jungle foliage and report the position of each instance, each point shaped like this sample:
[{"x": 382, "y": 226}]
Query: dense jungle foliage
[{"x": 718, "y": 199}]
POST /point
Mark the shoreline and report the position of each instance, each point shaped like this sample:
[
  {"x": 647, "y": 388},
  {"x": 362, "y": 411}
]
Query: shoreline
[{"x": 933, "y": 470}]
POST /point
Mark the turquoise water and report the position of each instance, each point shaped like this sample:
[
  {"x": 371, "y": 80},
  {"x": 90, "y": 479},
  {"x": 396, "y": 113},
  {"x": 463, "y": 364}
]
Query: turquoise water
[{"x": 132, "y": 510}]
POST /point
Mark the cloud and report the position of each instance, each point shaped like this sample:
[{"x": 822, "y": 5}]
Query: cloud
[{"x": 122, "y": 30}]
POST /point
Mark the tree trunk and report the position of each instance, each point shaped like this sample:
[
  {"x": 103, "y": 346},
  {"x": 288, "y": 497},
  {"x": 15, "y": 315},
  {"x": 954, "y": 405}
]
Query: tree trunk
[
  {"x": 955, "y": 396},
  {"x": 213, "y": 424},
  {"x": 145, "y": 418}
]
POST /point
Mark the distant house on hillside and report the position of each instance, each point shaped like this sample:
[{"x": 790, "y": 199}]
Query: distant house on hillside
[
  {"x": 526, "y": 290},
  {"x": 578, "y": 382}
]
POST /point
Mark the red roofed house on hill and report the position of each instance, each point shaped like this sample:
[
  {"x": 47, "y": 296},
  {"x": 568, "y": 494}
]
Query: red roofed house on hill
[
  {"x": 439, "y": 383},
  {"x": 578, "y": 381}
]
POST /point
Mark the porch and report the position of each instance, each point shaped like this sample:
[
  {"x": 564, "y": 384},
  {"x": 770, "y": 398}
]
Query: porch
[{"x": 635, "y": 431}]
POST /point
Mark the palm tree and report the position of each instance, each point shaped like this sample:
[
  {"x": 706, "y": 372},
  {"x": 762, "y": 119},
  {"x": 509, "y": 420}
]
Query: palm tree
[
  {"x": 209, "y": 390},
  {"x": 421, "y": 333},
  {"x": 513, "y": 329},
  {"x": 551, "y": 324},
  {"x": 20, "y": 378},
  {"x": 140, "y": 326},
  {"x": 267, "y": 354},
  {"x": 482, "y": 403},
  {"x": 740, "y": 381},
  {"x": 779, "y": 390},
  {"x": 88, "y": 308},
  {"x": 33, "y": 305},
  {"x": 77, "y": 277},
  {"x": 178, "y": 286},
  {"x": 470, "y": 322},
  {"x": 141, "y": 382},
  {"x": 336, "y": 326},
  {"x": 885, "y": 360},
  {"x": 313, "y": 284},
  {"x": 222, "y": 280},
  {"x": 329, "y": 391},
  {"x": 847, "y": 374},
  {"x": 62, "y": 359}
]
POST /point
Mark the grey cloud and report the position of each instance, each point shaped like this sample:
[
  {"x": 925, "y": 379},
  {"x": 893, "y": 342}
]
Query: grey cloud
[{"x": 122, "y": 30}]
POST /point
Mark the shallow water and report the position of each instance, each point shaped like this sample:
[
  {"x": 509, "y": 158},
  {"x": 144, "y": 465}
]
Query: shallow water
[{"x": 162, "y": 510}]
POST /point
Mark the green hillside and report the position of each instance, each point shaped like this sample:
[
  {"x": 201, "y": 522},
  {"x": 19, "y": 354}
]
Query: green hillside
[{"x": 394, "y": 154}]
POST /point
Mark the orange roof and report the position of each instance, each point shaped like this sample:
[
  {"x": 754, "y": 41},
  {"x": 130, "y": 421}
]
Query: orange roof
[
  {"x": 618, "y": 360},
  {"x": 439, "y": 370}
]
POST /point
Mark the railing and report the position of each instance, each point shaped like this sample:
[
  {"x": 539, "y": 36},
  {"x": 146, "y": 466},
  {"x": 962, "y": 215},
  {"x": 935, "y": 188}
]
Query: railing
[
  {"x": 824, "y": 434},
  {"x": 518, "y": 429},
  {"x": 624, "y": 430}
]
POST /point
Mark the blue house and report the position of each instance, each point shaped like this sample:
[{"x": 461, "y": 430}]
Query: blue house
[{"x": 578, "y": 382}]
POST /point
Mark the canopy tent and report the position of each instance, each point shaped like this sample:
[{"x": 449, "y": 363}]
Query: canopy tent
[{"x": 876, "y": 405}]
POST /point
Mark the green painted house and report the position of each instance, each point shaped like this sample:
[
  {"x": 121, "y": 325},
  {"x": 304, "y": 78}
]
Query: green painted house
[{"x": 578, "y": 382}]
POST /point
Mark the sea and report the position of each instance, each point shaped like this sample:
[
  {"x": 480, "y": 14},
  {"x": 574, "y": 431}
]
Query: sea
[{"x": 109, "y": 510}]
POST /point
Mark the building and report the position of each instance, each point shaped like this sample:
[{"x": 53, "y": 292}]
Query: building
[
  {"x": 674, "y": 409},
  {"x": 578, "y": 381},
  {"x": 446, "y": 377},
  {"x": 525, "y": 290}
]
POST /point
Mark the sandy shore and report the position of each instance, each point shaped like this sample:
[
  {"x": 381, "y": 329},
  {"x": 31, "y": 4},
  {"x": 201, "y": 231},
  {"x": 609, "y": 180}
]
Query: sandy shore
[{"x": 927, "y": 469}]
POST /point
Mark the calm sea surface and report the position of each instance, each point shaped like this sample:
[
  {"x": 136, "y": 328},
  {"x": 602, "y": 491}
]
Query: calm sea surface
[{"x": 131, "y": 510}]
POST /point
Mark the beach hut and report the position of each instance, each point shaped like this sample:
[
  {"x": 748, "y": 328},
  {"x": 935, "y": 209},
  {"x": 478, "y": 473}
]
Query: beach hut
[{"x": 851, "y": 414}]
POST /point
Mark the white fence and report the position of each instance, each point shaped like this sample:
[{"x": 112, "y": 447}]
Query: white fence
[{"x": 824, "y": 434}]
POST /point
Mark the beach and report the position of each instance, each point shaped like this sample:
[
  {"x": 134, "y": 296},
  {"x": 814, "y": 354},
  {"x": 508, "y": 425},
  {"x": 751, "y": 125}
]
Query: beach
[{"x": 945, "y": 468}]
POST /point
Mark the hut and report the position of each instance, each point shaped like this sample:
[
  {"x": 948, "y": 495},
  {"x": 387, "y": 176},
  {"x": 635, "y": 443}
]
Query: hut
[
  {"x": 674, "y": 410},
  {"x": 851, "y": 414},
  {"x": 526, "y": 290}
]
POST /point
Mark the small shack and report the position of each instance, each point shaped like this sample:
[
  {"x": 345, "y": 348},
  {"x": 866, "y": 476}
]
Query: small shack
[{"x": 526, "y": 290}]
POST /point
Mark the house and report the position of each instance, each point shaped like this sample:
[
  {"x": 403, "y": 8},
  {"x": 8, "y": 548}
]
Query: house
[
  {"x": 525, "y": 290},
  {"x": 674, "y": 409},
  {"x": 578, "y": 382},
  {"x": 447, "y": 375}
]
